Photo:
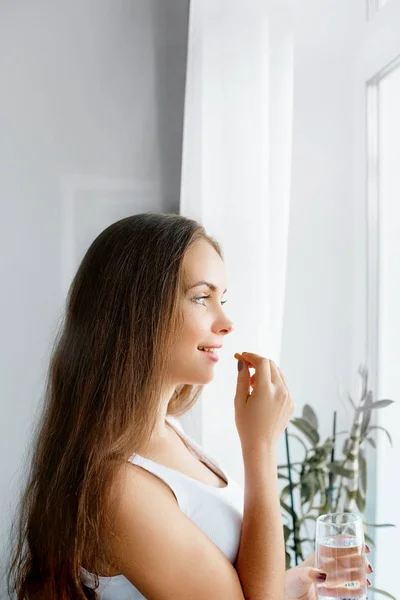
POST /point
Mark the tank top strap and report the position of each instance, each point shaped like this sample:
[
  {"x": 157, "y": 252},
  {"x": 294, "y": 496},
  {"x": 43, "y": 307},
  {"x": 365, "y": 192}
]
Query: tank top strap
[{"x": 168, "y": 476}]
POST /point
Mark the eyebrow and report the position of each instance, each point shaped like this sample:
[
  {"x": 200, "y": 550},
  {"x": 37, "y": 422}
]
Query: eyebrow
[{"x": 207, "y": 283}]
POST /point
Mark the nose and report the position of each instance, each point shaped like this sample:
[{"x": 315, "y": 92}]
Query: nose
[{"x": 228, "y": 327}]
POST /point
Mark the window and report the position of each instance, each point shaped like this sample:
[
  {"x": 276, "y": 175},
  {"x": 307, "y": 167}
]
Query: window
[{"x": 384, "y": 213}]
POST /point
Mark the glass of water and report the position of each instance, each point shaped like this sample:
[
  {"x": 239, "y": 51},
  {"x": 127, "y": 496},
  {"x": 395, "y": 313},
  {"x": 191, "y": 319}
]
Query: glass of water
[{"x": 340, "y": 552}]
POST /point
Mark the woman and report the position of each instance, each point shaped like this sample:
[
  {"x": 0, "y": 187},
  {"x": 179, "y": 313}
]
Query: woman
[{"x": 118, "y": 497}]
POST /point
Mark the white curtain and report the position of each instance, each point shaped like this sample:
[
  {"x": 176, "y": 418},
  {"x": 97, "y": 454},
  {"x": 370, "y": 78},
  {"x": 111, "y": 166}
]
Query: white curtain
[{"x": 236, "y": 171}]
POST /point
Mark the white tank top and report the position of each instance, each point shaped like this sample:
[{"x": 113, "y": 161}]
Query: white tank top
[{"x": 218, "y": 512}]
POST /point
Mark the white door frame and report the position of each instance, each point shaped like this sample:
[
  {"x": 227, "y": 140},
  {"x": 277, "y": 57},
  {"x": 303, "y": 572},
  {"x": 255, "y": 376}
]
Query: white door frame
[{"x": 377, "y": 53}]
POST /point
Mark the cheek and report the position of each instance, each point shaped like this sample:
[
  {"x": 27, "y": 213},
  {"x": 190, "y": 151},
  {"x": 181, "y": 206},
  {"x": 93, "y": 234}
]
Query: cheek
[
  {"x": 193, "y": 334},
  {"x": 193, "y": 330}
]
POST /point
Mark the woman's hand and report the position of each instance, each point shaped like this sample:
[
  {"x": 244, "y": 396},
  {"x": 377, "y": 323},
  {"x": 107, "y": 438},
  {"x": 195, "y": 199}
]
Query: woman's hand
[
  {"x": 261, "y": 415},
  {"x": 300, "y": 581}
]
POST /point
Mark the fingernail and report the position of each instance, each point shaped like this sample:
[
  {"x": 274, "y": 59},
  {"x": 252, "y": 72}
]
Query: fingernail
[
  {"x": 371, "y": 570},
  {"x": 368, "y": 549},
  {"x": 368, "y": 581},
  {"x": 240, "y": 365},
  {"x": 321, "y": 576}
]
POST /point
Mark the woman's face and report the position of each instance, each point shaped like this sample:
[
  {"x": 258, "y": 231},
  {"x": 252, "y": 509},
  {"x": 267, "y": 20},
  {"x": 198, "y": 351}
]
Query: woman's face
[{"x": 205, "y": 321}]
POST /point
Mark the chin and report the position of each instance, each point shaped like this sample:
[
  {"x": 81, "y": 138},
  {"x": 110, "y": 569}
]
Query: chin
[
  {"x": 200, "y": 379},
  {"x": 207, "y": 378}
]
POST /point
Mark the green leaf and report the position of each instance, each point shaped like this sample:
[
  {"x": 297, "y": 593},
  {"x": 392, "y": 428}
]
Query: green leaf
[
  {"x": 287, "y": 560},
  {"x": 340, "y": 433},
  {"x": 286, "y": 490},
  {"x": 320, "y": 455},
  {"x": 351, "y": 494},
  {"x": 305, "y": 492},
  {"x": 337, "y": 469},
  {"x": 293, "y": 435},
  {"x": 310, "y": 416},
  {"x": 308, "y": 430},
  {"x": 363, "y": 470},
  {"x": 363, "y": 371},
  {"x": 379, "y": 525},
  {"x": 360, "y": 501},
  {"x": 281, "y": 476},
  {"x": 367, "y": 414},
  {"x": 369, "y": 539},
  {"x": 307, "y": 518},
  {"x": 287, "y": 508},
  {"x": 322, "y": 486},
  {"x": 377, "y": 591},
  {"x": 351, "y": 401},
  {"x": 377, "y": 404},
  {"x": 372, "y": 442},
  {"x": 312, "y": 480},
  {"x": 286, "y": 532},
  {"x": 383, "y": 429}
]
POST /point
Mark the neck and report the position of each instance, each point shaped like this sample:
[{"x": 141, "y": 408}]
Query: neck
[{"x": 161, "y": 430}]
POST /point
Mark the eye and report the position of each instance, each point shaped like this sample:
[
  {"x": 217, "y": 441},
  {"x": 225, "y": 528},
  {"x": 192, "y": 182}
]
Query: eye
[{"x": 205, "y": 298}]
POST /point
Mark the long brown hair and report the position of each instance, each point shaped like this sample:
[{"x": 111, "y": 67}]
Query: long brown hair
[{"x": 102, "y": 397}]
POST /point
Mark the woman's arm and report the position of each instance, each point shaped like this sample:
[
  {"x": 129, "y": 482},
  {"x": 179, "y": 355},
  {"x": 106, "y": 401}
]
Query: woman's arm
[{"x": 261, "y": 558}]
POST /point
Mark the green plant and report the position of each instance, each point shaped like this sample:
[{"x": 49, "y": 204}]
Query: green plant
[{"x": 320, "y": 483}]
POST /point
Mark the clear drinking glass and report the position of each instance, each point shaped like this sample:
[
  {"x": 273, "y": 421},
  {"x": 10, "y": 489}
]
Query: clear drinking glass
[{"x": 340, "y": 552}]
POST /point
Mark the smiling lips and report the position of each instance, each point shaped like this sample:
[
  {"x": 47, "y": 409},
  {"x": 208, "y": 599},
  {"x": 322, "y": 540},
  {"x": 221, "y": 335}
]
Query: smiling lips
[{"x": 210, "y": 351}]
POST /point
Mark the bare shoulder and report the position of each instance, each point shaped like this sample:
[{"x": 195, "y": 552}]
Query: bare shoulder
[{"x": 158, "y": 548}]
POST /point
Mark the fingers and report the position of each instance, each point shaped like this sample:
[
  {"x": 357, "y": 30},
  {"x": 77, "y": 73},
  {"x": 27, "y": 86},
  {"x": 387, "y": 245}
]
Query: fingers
[
  {"x": 342, "y": 562},
  {"x": 340, "y": 577},
  {"x": 253, "y": 381},
  {"x": 345, "y": 561},
  {"x": 309, "y": 561},
  {"x": 275, "y": 376},
  {"x": 316, "y": 575},
  {"x": 257, "y": 362},
  {"x": 343, "y": 565},
  {"x": 242, "y": 387},
  {"x": 355, "y": 561},
  {"x": 275, "y": 373},
  {"x": 345, "y": 552},
  {"x": 369, "y": 566},
  {"x": 341, "y": 592},
  {"x": 261, "y": 363},
  {"x": 283, "y": 379}
]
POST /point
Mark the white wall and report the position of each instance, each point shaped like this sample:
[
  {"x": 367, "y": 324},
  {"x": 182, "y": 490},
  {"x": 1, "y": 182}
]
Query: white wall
[{"x": 90, "y": 91}]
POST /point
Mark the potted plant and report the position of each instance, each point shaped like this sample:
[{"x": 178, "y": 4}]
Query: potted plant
[{"x": 322, "y": 482}]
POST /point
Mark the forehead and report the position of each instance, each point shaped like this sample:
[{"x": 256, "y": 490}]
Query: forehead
[{"x": 202, "y": 262}]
